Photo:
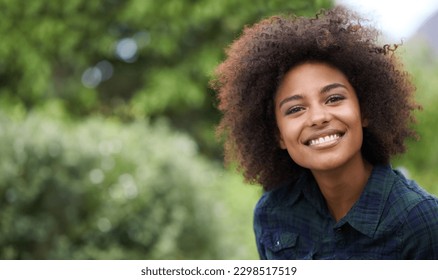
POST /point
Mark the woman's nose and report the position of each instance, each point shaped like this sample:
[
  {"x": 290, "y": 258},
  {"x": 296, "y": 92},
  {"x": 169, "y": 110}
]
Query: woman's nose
[{"x": 318, "y": 115}]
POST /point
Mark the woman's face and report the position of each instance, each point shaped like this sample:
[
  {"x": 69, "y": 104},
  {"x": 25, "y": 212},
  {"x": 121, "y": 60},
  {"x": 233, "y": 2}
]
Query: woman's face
[{"x": 318, "y": 117}]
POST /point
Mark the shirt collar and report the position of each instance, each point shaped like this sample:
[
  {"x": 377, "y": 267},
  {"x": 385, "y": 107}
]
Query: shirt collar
[{"x": 365, "y": 214}]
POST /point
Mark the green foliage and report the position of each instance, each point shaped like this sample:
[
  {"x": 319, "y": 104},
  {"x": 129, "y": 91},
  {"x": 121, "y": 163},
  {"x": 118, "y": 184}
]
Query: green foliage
[
  {"x": 104, "y": 190},
  {"x": 136, "y": 58},
  {"x": 421, "y": 158}
]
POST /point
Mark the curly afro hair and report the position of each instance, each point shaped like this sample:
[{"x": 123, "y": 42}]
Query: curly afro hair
[{"x": 246, "y": 83}]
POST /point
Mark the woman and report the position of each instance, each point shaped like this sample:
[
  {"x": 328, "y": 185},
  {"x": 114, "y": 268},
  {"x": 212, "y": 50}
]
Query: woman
[{"x": 313, "y": 110}]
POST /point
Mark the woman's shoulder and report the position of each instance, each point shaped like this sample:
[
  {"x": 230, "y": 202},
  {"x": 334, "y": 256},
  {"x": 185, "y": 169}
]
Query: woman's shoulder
[
  {"x": 408, "y": 196},
  {"x": 409, "y": 190},
  {"x": 416, "y": 211},
  {"x": 283, "y": 195},
  {"x": 276, "y": 196}
]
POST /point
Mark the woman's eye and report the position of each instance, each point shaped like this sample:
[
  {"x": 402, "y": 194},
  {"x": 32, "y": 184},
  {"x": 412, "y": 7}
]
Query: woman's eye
[
  {"x": 294, "y": 110},
  {"x": 335, "y": 98}
]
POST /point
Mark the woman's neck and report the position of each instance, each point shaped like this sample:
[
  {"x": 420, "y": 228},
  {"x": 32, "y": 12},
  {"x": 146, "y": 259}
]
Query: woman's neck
[{"x": 343, "y": 186}]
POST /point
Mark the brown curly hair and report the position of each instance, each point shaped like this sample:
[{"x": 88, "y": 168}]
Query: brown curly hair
[{"x": 256, "y": 62}]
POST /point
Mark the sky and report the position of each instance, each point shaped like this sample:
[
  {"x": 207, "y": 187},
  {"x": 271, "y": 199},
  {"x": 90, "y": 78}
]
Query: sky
[{"x": 397, "y": 19}]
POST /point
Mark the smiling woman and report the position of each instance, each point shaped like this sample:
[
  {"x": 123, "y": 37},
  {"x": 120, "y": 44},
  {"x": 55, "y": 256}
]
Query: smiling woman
[{"x": 313, "y": 110}]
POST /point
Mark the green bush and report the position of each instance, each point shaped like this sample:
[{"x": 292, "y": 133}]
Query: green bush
[
  {"x": 421, "y": 158},
  {"x": 106, "y": 190}
]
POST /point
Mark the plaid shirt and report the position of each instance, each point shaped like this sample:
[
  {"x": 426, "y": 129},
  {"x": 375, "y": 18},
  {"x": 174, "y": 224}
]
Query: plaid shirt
[{"x": 393, "y": 219}]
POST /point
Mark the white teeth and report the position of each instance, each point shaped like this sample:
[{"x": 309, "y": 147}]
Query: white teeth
[{"x": 325, "y": 139}]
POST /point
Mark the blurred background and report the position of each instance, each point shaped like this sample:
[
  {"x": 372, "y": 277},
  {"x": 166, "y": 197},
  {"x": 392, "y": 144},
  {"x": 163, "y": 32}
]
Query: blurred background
[{"x": 107, "y": 143}]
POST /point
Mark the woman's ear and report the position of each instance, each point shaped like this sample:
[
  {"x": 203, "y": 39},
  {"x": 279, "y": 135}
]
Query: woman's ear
[{"x": 280, "y": 141}]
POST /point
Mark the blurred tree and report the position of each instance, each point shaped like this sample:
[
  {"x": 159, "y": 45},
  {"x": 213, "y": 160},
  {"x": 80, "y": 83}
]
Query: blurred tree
[
  {"x": 105, "y": 190},
  {"x": 421, "y": 158},
  {"x": 130, "y": 58}
]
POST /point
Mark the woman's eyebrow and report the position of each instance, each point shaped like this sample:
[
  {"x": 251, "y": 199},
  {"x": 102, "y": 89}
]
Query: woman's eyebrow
[
  {"x": 323, "y": 90},
  {"x": 329, "y": 87},
  {"x": 290, "y": 98}
]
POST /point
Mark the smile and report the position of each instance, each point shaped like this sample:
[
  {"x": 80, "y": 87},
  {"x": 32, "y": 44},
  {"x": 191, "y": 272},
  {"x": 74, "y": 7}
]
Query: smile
[{"x": 324, "y": 140}]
